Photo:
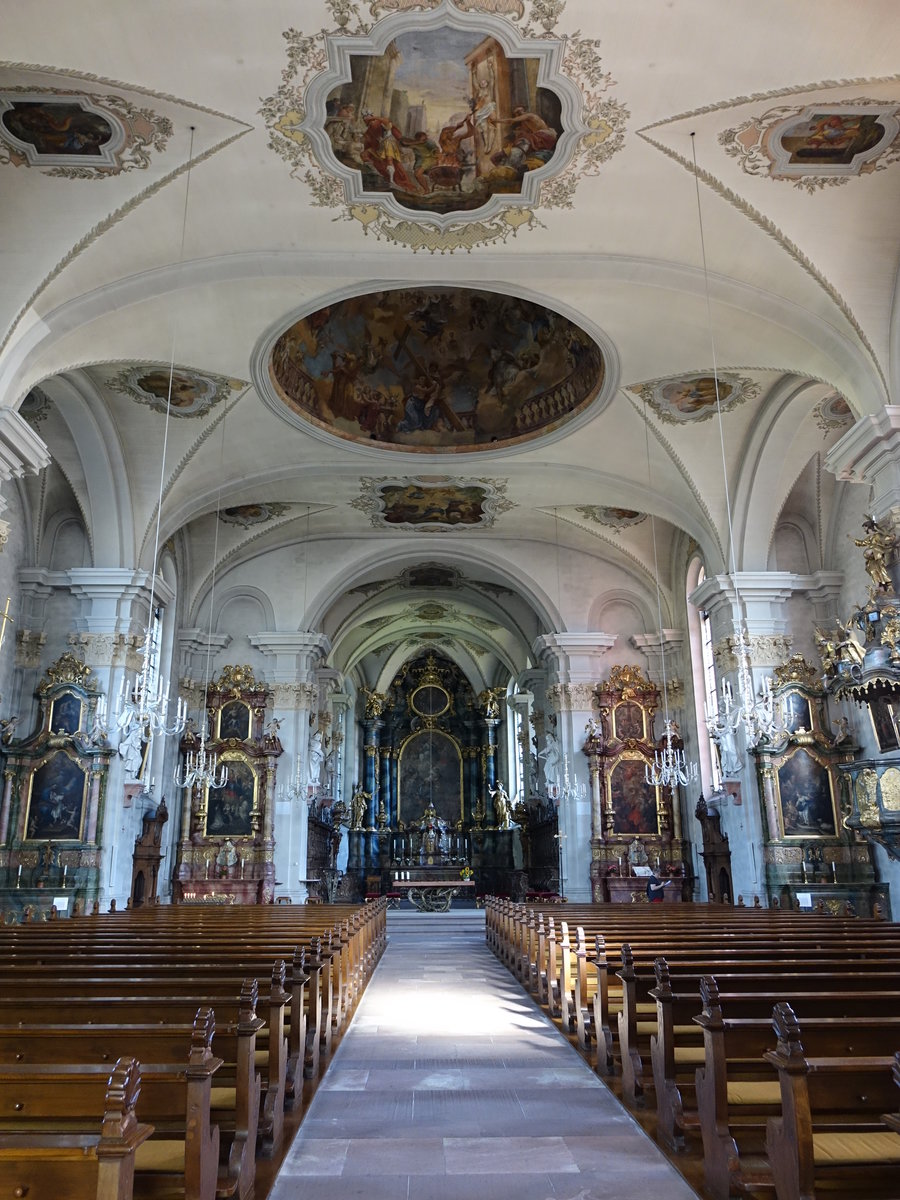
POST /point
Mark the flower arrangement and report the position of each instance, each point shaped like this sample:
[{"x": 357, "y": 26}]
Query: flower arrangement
[{"x": 466, "y": 873}]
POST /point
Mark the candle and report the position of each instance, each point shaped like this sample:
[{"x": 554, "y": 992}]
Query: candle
[
  {"x": 242, "y": 868},
  {"x": 65, "y": 870},
  {"x": 803, "y": 871},
  {"x": 207, "y": 868},
  {"x": 834, "y": 871},
  {"x": 19, "y": 875}
]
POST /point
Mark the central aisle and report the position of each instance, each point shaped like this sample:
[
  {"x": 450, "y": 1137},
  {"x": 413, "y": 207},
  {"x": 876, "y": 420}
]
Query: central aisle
[{"x": 450, "y": 1084}]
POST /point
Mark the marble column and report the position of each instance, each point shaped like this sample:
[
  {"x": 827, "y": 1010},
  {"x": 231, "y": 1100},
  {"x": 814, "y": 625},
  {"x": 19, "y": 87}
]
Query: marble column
[{"x": 573, "y": 665}]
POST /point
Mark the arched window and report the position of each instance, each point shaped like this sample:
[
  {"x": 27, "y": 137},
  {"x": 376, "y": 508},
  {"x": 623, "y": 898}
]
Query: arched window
[{"x": 703, "y": 672}]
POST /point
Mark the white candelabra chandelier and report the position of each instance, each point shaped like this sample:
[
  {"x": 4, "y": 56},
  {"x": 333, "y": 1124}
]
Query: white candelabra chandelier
[
  {"x": 756, "y": 715},
  {"x": 143, "y": 701},
  {"x": 670, "y": 767},
  {"x": 571, "y": 789},
  {"x": 201, "y": 769}
]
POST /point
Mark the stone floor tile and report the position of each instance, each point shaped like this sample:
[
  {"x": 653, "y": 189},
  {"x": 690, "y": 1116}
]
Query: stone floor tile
[
  {"x": 418, "y": 1155},
  {"x": 507, "y": 1156}
]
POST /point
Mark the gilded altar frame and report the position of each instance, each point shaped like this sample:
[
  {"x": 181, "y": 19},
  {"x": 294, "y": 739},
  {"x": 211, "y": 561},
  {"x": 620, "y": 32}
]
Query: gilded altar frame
[{"x": 802, "y": 818}]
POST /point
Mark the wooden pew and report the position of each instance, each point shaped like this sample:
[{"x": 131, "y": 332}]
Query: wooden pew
[
  {"x": 735, "y": 1088},
  {"x": 235, "y": 1099},
  {"x": 789, "y": 975},
  {"x": 86, "y": 1166},
  {"x": 831, "y": 1130},
  {"x": 49, "y": 1100}
]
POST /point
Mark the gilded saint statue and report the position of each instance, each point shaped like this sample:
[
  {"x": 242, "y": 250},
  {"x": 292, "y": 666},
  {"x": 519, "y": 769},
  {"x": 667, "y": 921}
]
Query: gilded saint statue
[
  {"x": 501, "y": 806},
  {"x": 358, "y": 803},
  {"x": 878, "y": 543}
]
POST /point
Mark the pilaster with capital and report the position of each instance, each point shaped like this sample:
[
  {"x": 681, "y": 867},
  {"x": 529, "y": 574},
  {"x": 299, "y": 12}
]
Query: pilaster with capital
[{"x": 869, "y": 453}]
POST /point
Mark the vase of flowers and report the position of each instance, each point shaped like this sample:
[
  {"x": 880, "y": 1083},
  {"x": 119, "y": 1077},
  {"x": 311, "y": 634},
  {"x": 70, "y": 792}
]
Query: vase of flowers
[{"x": 466, "y": 874}]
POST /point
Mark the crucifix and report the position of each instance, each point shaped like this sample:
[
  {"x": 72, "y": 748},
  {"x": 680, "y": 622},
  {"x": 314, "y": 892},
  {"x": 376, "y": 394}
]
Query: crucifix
[{"x": 4, "y": 617}]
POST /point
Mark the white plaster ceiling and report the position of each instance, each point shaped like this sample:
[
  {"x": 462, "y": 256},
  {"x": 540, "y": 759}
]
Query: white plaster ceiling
[{"x": 802, "y": 282}]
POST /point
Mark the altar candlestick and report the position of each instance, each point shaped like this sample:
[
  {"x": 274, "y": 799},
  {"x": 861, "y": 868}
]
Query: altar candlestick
[
  {"x": 19, "y": 876},
  {"x": 834, "y": 871},
  {"x": 65, "y": 872}
]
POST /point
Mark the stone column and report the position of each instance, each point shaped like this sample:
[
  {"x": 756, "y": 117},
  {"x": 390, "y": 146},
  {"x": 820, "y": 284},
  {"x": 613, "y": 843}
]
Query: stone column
[
  {"x": 573, "y": 663},
  {"x": 292, "y": 661},
  {"x": 93, "y": 807}
]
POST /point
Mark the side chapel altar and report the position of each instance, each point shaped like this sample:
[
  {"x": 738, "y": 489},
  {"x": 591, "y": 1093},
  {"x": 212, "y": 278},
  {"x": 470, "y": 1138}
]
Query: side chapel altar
[{"x": 226, "y": 852}]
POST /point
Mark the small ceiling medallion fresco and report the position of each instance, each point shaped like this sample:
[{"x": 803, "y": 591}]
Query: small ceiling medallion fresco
[
  {"x": 35, "y": 407},
  {"x": 246, "y": 515},
  {"x": 818, "y": 145},
  {"x": 435, "y": 369},
  {"x": 78, "y": 136},
  {"x": 613, "y": 518},
  {"x": 693, "y": 397},
  {"x": 833, "y": 413},
  {"x": 432, "y": 503},
  {"x": 444, "y": 125},
  {"x": 193, "y": 393}
]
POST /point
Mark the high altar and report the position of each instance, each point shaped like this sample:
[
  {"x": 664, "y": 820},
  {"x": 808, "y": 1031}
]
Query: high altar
[{"x": 226, "y": 852}]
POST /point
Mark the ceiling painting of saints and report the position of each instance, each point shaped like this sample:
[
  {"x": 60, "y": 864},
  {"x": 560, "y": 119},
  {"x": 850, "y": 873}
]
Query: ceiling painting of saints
[
  {"x": 695, "y": 397},
  {"x": 818, "y": 145},
  {"x": 193, "y": 393},
  {"x": 436, "y": 368},
  {"x": 433, "y": 504},
  {"x": 443, "y": 120},
  {"x": 80, "y": 135},
  {"x": 58, "y": 127}
]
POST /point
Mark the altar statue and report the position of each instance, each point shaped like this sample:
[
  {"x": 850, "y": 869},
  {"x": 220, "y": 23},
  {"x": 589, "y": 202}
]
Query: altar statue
[
  {"x": 878, "y": 543},
  {"x": 501, "y": 806}
]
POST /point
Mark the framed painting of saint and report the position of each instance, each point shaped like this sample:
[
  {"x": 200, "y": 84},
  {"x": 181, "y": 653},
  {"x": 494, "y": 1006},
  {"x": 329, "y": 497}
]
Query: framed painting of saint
[
  {"x": 66, "y": 714},
  {"x": 806, "y": 796},
  {"x": 796, "y": 712},
  {"x": 230, "y": 809},
  {"x": 884, "y": 723},
  {"x": 634, "y": 801},
  {"x": 234, "y": 720},
  {"x": 57, "y": 794},
  {"x": 628, "y": 721},
  {"x": 430, "y": 773}
]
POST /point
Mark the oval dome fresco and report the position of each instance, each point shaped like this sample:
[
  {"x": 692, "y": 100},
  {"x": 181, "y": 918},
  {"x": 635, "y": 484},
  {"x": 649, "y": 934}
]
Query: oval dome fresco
[{"x": 436, "y": 369}]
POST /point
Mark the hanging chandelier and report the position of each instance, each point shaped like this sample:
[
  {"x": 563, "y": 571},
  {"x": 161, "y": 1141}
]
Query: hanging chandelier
[
  {"x": 670, "y": 767},
  {"x": 144, "y": 702},
  {"x": 754, "y": 715},
  {"x": 201, "y": 769}
]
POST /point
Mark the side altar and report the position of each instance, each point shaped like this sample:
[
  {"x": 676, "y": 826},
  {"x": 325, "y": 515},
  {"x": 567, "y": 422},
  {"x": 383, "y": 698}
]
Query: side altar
[{"x": 227, "y": 846}]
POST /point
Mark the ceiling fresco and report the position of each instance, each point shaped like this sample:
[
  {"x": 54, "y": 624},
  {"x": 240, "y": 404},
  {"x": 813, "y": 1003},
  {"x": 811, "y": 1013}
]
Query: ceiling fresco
[
  {"x": 610, "y": 516},
  {"x": 432, "y": 503},
  {"x": 436, "y": 369},
  {"x": 833, "y": 413},
  {"x": 443, "y": 120},
  {"x": 77, "y": 136},
  {"x": 194, "y": 393},
  {"x": 446, "y": 127},
  {"x": 246, "y": 515},
  {"x": 687, "y": 398},
  {"x": 818, "y": 145}
]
